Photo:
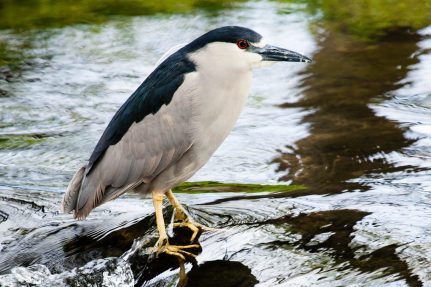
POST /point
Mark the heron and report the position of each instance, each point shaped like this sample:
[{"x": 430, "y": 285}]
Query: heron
[{"x": 172, "y": 124}]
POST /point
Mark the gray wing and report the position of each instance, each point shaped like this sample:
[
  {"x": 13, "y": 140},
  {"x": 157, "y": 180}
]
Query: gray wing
[
  {"x": 146, "y": 149},
  {"x": 149, "y": 132}
]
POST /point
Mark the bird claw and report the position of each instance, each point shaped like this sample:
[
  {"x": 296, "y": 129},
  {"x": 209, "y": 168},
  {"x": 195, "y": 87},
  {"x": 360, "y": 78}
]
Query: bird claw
[
  {"x": 175, "y": 250},
  {"x": 195, "y": 227},
  {"x": 190, "y": 225},
  {"x": 178, "y": 251}
]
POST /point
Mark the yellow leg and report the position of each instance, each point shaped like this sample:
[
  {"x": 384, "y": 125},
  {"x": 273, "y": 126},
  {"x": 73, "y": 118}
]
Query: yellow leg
[
  {"x": 163, "y": 244},
  {"x": 180, "y": 213},
  {"x": 186, "y": 220},
  {"x": 182, "y": 282},
  {"x": 158, "y": 207}
]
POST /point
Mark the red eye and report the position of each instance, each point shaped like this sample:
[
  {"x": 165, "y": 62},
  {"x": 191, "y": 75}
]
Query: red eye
[{"x": 242, "y": 44}]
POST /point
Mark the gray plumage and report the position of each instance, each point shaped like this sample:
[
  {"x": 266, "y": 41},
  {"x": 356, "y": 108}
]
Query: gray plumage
[
  {"x": 147, "y": 149},
  {"x": 172, "y": 124}
]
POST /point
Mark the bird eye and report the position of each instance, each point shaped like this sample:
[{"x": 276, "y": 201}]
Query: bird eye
[{"x": 242, "y": 44}]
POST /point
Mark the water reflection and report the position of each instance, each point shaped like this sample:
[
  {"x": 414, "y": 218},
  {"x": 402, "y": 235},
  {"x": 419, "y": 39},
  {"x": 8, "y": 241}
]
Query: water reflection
[
  {"x": 332, "y": 231},
  {"x": 347, "y": 139}
]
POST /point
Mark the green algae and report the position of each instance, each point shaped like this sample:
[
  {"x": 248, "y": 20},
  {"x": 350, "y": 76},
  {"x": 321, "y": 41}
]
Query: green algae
[{"x": 213, "y": 186}]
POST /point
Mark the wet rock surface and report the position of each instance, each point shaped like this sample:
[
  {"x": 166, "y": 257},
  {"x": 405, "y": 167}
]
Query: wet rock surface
[
  {"x": 135, "y": 267},
  {"x": 87, "y": 262}
]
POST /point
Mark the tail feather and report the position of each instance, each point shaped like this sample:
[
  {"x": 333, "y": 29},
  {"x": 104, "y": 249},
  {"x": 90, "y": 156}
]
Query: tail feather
[
  {"x": 84, "y": 193},
  {"x": 71, "y": 196},
  {"x": 83, "y": 207}
]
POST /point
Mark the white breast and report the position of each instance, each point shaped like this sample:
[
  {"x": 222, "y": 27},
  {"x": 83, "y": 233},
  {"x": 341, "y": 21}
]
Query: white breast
[
  {"x": 211, "y": 98},
  {"x": 222, "y": 82}
]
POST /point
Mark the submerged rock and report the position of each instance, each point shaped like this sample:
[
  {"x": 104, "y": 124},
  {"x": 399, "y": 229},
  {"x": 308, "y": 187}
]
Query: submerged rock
[
  {"x": 109, "y": 272},
  {"x": 22, "y": 276},
  {"x": 133, "y": 268}
]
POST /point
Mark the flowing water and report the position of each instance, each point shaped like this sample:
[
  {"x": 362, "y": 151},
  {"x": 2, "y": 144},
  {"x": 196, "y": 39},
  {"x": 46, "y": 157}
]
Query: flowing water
[{"x": 350, "y": 134}]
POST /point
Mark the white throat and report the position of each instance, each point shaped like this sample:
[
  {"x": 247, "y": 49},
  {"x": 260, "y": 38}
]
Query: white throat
[{"x": 225, "y": 58}]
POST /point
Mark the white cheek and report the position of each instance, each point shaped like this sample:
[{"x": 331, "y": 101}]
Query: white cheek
[
  {"x": 264, "y": 64},
  {"x": 260, "y": 44},
  {"x": 254, "y": 59}
]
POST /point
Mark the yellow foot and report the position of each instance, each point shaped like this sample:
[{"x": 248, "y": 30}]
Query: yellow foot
[
  {"x": 206, "y": 228},
  {"x": 194, "y": 227},
  {"x": 183, "y": 219},
  {"x": 176, "y": 250},
  {"x": 179, "y": 251}
]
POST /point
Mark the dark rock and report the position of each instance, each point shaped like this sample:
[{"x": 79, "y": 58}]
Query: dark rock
[{"x": 221, "y": 273}]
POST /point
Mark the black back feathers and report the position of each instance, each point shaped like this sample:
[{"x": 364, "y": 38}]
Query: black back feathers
[
  {"x": 159, "y": 87},
  {"x": 157, "y": 90}
]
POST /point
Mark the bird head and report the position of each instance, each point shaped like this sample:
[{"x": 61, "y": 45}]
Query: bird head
[{"x": 237, "y": 48}]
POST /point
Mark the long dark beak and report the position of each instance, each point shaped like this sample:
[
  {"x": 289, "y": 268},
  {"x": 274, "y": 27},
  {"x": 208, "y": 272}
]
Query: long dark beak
[{"x": 272, "y": 53}]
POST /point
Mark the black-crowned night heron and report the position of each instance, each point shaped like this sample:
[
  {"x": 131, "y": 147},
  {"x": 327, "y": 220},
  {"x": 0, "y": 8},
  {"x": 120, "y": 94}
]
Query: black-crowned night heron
[{"x": 172, "y": 124}]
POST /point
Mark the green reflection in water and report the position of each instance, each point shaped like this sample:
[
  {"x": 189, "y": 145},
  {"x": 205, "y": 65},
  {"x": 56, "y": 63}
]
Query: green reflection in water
[
  {"x": 8, "y": 57},
  {"x": 20, "y": 16},
  {"x": 11, "y": 58},
  {"x": 369, "y": 19},
  {"x": 19, "y": 141},
  {"x": 56, "y": 13}
]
